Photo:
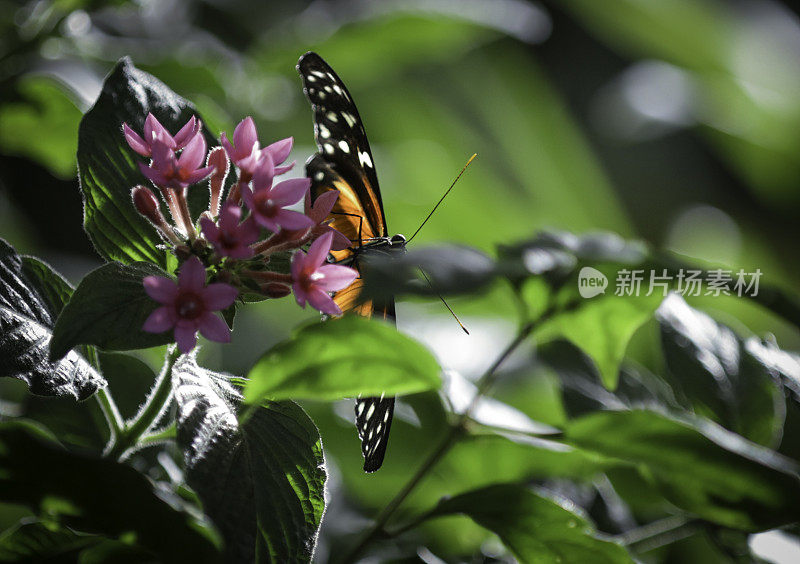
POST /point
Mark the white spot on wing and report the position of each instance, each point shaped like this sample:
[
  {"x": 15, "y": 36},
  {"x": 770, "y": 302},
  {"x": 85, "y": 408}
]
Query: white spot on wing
[
  {"x": 324, "y": 132},
  {"x": 332, "y": 117},
  {"x": 349, "y": 118},
  {"x": 337, "y": 88},
  {"x": 311, "y": 78},
  {"x": 328, "y": 148},
  {"x": 318, "y": 73},
  {"x": 318, "y": 177},
  {"x": 371, "y": 410},
  {"x": 344, "y": 146},
  {"x": 363, "y": 158}
]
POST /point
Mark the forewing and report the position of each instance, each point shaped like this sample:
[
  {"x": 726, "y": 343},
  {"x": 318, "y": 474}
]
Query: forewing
[{"x": 344, "y": 161}]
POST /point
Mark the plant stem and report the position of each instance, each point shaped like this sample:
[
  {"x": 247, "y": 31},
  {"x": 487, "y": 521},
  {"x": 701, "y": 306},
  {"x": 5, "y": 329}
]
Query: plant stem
[
  {"x": 659, "y": 533},
  {"x": 111, "y": 412},
  {"x": 165, "y": 434},
  {"x": 457, "y": 429},
  {"x": 152, "y": 409}
]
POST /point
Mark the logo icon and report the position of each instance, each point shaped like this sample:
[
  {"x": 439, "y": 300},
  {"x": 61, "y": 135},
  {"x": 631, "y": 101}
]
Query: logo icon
[{"x": 591, "y": 282}]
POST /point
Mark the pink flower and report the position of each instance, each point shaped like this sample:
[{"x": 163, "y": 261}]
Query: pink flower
[
  {"x": 170, "y": 171},
  {"x": 245, "y": 150},
  {"x": 267, "y": 202},
  {"x": 231, "y": 238},
  {"x": 312, "y": 280},
  {"x": 318, "y": 213},
  {"x": 188, "y": 305},
  {"x": 154, "y": 130}
]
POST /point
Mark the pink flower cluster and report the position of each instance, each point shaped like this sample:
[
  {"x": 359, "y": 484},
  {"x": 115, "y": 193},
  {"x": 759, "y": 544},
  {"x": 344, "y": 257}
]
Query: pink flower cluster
[{"x": 237, "y": 236}]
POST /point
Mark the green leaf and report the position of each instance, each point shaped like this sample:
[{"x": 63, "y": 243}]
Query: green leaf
[
  {"x": 718, "y": 374},
  {"x": 41, "y": 105},
  {"x": 108, "y": 309},
  {"x": 29, "y": 542},
  {"x": 699, "y": 466},
  {"x": 536, "y": 529},
  {"x": 31, "y": 295},
  {"x": 343, "y": 358},
  {"x": 601, "y": 326},
  {"x": 262, "y": 482},
  {"x": 108, "y": 167},
  {"x": 95, "y": 495},
  {"x": 452, "y": 269}
]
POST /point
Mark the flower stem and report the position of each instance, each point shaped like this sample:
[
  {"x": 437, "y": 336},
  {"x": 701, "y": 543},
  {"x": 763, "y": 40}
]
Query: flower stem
[
  {"x": 457, "y": 429},
  {"x": 148, "y": 415}
]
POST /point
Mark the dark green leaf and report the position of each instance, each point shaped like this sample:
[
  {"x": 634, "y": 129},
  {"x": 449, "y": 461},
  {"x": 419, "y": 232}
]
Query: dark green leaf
[
  {"x": 32, "y": 542},
  {"x": 108, "y": 167},
  {"x": 601, "y": 326},
  {"x": 108, "y": 309},
  {"x": 343, "y": 358},
  {"x": 718, "y": 374},
  {"x": 700, "y": 466},
  {"x": 31, "y": 296},
  {"x": 451, "y": 270},
  {"x": 95, "y": 495},
  {"x": 535, "y": 528},
  {"x": 261, "y": 482},
  {"x": 583, "y": 391}
]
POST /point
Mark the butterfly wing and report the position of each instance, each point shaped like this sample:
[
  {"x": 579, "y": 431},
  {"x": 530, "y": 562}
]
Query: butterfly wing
[{"x": 344, "y": 163}]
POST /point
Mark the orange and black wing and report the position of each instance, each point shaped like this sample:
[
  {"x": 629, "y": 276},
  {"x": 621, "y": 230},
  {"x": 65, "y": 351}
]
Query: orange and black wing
[{"x": 344, "y": 162}]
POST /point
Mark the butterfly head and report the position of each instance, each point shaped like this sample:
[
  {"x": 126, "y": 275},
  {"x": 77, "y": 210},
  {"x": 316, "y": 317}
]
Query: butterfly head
[{"x": 398, "y": 240}]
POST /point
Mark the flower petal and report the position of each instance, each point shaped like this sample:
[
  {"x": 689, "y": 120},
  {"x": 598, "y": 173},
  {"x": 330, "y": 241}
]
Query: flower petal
[
  {"x": 214, "y": 329},
  {"x": 292, "y": 220},
  {"x": 279, "y": 150},
  {"x": 192, "y": 275},
  {"x": 161, "y": 289},
  {"x": 340, "y": 240},
  {"x": 298, "y": 261},
  {"x": 245, "y": 136},
  {"x": 153, "y": 130},
  {"x": 230, "y": 216},
  {"x": 284, "y": 169},
  {"x": 323, "y": 205},
  {"x": 319, "y": 250},
  {"x": 335, "y": 277},
  {"x": 154, "y": 175},
  {"x": 186, "y": 337},
  {"x": 223, "y": 138},
  {"x": 218, "y": 296},
  {"x": 198, "y": 175},
  {"x": 194, "y": 154},
  {"x": 160, "y": 320},
  {"x": 136, "y": 143},
  {"x": 186, "y": 132},
  {"x": 323, "y": 302},
  {"x": 264, "y": 173},
  {"x": 289, "y": 191},
  {"x": 210, "y": 230},
  {"x": 299, "y": 295}
]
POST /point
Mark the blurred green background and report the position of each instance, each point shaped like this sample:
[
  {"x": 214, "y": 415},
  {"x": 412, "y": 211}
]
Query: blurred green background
[{"x": 675, "y": 122}]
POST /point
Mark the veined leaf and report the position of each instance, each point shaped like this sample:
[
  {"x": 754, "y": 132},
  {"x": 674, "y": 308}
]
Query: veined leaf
[
  {"x": 108, "y": 309},
  {"x": 31, "y": 297},
  {"x": 536, "y": 529},
  {"x": 108, "y": 167},
  {"x": 343, "y": 358},
  {"x": 699, "y": 466},
  {"x": 261, "y": 481}
]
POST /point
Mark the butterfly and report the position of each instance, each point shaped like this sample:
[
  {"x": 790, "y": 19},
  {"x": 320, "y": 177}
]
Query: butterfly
[{"x": 344, "y": 162}]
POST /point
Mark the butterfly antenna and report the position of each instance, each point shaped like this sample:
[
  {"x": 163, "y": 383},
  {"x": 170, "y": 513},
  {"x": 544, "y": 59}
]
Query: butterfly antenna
[
  {"x": 442, "y": 199},
  {"x": 428, "y": 280}
]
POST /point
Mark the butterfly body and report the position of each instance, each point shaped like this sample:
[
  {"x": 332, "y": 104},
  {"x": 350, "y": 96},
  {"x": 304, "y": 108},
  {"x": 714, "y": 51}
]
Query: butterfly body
[{"x": 344, "y": 163}]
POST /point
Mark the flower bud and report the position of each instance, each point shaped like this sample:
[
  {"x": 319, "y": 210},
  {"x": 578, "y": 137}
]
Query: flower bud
[
  {"x": 147, "y": 204},
  {"x": 276, "y": 290},
  {"x": 219, "y": 160}
]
